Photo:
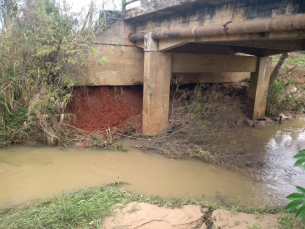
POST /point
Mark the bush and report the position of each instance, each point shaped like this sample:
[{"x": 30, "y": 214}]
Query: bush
[
  {"x": 285, "y": 95},
  {"x": 42, "y": 45},
  {"x": 274, "y": 95}
]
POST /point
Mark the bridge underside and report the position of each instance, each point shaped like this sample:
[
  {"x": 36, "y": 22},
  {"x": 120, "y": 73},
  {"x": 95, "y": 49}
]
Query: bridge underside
[
  {"x": 198, "y": 41},
  {"x": 200, "y": 59}
]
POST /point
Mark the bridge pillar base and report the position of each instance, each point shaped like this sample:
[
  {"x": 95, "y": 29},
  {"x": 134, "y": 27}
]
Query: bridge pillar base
[
  {"x": 157, "y": 75},
  {"x": 258, "y": 89}
]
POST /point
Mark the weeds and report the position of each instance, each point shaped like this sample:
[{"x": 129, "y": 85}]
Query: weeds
[
  {"x": 74, "y": 210},
  {"x": 106, "y": 139},
  {"x": 285, "y": 95},
  {"x": 81, "y": 208},
  {"x": 299, "y": 61},
  {"x": 43, "y": 46},
  {"x": 287, "y": 221},
  {"x": 119, "y": 146},
  {"x": 87, "y": 207}
]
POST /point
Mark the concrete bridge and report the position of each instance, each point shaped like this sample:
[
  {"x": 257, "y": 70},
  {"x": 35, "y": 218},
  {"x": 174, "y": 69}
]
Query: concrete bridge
[{"x": 196, "y": 41}]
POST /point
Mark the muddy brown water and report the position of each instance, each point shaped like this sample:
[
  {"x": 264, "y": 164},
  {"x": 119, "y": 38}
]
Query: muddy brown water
[{"x": 28, "y": 173}]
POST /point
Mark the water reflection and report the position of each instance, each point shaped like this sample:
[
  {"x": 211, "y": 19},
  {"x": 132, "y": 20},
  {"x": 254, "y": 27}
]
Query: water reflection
[{"x": 280, "y": 143}]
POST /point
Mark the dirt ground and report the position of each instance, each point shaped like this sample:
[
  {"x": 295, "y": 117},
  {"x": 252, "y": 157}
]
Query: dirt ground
[
  {"x": 146, "y": 216},
  {"x": 99, "y": 108}
]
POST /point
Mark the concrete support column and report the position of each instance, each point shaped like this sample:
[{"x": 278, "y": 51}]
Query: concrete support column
[
  {"x": 258, "y": 89},
  {"x": 157, "y": 76}
]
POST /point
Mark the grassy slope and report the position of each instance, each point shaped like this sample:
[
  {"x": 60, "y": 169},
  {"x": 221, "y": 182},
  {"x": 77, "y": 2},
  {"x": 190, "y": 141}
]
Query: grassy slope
[{"x": 85, "y": 209}]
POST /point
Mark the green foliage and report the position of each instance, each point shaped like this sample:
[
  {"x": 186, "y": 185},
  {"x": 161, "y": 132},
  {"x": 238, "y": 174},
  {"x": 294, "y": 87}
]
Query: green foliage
[
  {"x": 300, "y": 61},
  {"x": 298, "y": 199},
  {"x": 12, "y": 124},
  {"x": 87, "y": 207},
  {"x": 119, "y": 146},
  {"x": 300, "y": 159},
  {"x": 247, "y": 79},
  {"x": 76, "y": 210},
  {"x": 16, "y": 117},
  {"x": 275, "y": 60},
  {"x": 43, "y": 45},
  {"x": 284, "y": 95},
  {"x": 274, "y": 94},
  {"x": 103, "y": 61},
  {"x": 287, "y": 222}
]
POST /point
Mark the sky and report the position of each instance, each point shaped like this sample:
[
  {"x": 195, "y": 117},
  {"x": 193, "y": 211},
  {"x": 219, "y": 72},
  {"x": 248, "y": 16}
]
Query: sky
[{"x": 109, "y": 4}]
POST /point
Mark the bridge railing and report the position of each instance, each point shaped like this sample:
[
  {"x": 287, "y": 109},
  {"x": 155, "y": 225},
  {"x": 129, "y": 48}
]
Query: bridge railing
[{"x": 125, "y": 3}]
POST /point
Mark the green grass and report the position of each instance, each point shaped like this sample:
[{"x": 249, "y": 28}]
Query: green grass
[
  {"x": 300, "y": 61},
  {"x": 85, "y": 208},
  {"x": 74, "y": 210},
  {"x": 288, "y": 222},
  {"x": 275, "y": 60}
]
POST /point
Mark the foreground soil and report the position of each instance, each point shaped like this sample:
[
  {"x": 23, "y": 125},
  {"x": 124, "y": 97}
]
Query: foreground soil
[{"x": 146, "y": 216}]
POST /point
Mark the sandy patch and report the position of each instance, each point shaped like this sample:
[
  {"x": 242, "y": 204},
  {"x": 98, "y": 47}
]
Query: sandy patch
[
  {"x": 147, "y": 216},
  {"x": 225, "y": 219}
]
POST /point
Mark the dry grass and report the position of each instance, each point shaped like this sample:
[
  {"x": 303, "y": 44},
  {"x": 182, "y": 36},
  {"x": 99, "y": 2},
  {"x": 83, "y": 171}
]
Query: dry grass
[{"x": 207, "y": 122}]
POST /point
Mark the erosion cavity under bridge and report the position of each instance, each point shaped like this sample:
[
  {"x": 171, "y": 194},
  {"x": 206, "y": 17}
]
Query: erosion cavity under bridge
[{"x": 196, "y": 41}]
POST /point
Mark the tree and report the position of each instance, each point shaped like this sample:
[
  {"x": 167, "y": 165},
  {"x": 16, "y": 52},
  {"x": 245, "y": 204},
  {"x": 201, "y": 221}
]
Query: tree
[{"x": 276, "y": 70}]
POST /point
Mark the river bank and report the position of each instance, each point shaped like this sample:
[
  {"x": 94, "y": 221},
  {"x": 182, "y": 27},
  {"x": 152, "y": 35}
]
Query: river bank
[
  {"x": 116, "y": 208},
  {"x": 278, "y": 177}
]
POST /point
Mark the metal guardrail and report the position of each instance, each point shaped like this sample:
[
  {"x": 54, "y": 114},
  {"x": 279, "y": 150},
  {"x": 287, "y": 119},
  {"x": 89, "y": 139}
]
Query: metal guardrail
[{"x": 125, "y": 3}]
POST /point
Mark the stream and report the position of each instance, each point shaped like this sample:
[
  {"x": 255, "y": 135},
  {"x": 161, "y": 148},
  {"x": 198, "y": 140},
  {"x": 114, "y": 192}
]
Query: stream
[{"x": 28, "y": 173}]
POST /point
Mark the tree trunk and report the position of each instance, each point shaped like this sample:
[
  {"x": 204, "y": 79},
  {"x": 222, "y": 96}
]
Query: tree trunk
[{"x": 276, "y": 70}]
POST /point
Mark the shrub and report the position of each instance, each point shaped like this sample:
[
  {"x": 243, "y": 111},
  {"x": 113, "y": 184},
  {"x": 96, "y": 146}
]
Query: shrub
[
  {"x": 285, "y": 95},
  {"x": 43, "y": 44},
  {"x": 298, "y": 199}
]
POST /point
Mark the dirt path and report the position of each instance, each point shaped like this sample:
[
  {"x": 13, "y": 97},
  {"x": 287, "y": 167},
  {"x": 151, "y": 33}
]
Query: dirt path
[{"x": 146, "y": 216}]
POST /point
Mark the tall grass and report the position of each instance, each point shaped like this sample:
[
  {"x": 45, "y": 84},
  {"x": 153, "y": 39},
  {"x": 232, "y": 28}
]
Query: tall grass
[
  {"x": 44, "y": 45},
  {"x": 285, "y": 95}
]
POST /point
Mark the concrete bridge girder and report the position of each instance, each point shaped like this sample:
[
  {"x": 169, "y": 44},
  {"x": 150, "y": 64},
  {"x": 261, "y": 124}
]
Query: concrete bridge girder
[{"x": 282, "y": 41}]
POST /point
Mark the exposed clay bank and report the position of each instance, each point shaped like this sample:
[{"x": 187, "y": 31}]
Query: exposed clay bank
[{"x": 32, "y": 173}]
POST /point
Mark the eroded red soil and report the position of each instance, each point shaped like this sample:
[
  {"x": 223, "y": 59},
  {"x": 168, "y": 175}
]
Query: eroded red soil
[{"x": 99, "y": 108}]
